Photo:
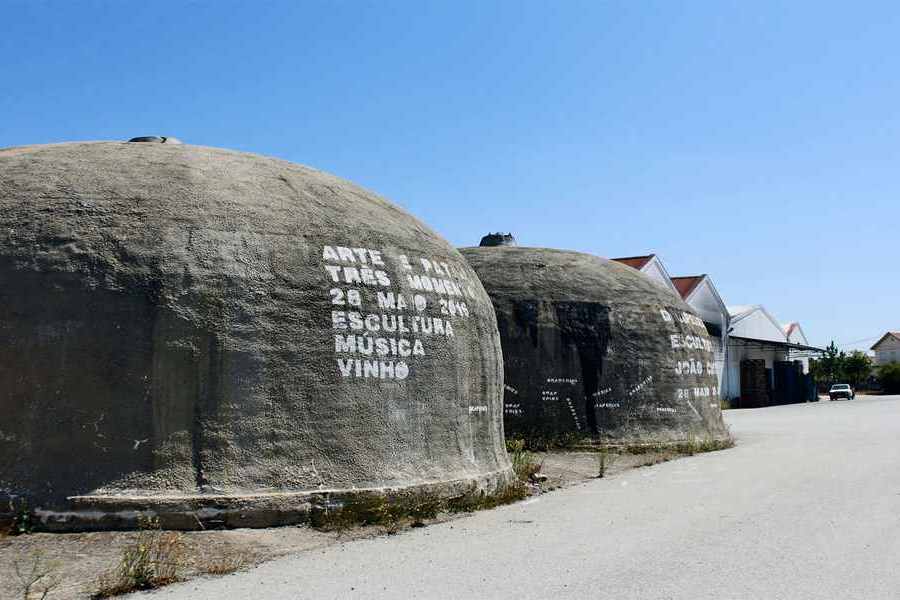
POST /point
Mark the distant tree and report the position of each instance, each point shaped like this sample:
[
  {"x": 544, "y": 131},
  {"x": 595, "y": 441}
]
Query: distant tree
[
  {"x": 857, "y": 367},
  {"x": 831, "y": 366},
  {"x": 889, "y": 377}
]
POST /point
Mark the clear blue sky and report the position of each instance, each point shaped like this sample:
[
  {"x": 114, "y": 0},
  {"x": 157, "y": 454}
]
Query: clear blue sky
[{"x": 758, "y": 142}]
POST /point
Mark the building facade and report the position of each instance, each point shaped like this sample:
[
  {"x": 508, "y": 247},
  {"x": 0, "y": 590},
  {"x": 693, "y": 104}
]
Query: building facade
[
  {"x": 758, "y": 360},
  {"x": 887, "y": 349}
]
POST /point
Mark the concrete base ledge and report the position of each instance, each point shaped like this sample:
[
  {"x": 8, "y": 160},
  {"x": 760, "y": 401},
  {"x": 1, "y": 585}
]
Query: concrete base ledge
[{"x": 255, "y": 510}]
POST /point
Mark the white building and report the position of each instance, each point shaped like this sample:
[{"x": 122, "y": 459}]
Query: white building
[
  {"x": 754, "y": 334},
  {"x": 753, "y": 352},
  {"x": 887, "y": 349},
  {"x": 761, "y": 349}
]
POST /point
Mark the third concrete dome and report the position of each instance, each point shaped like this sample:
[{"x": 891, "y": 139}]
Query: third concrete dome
[{"x": 594, "y": 349}]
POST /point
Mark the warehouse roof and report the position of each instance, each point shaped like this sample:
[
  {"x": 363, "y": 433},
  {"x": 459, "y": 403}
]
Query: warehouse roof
[
  {"x": 635, "y": 262},
  {"x": 686, "y": 285}
]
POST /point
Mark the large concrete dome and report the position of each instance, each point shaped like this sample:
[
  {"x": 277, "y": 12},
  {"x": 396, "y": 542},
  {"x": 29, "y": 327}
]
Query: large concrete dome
[
  {"x": 194, "y": 329},
  {"x": 596, "y": 349}
]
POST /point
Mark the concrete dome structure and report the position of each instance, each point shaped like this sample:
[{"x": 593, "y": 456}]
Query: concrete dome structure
[
  {"x": 596, "y": 349},
  {"x": 214, "y": 334}
]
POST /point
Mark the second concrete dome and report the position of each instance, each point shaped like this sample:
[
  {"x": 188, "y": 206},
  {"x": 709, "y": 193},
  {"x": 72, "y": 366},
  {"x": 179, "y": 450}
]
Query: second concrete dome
[{"x": 596, "y": 349}]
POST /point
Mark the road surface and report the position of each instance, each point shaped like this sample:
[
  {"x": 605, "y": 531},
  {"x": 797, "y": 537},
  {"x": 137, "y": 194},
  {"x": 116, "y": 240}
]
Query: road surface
[{"x": 806, "y": 506}]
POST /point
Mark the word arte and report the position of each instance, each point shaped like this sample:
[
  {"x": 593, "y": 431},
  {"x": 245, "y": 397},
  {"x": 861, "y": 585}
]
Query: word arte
[
  {"x": 368, "y": 256},
  {"x": 436, "y": 278}
]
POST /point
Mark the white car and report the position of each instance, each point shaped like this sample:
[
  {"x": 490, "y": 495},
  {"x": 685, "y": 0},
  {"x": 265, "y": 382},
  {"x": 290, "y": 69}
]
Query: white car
[{"x": 841, "y": 390}]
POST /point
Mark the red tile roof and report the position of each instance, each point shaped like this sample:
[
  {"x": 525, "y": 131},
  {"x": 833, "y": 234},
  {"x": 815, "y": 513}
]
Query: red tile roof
[
  {"x": 635, "y": 262},
  {"x": 686, "y": 285},
  {"x": 790, "y": 327}
]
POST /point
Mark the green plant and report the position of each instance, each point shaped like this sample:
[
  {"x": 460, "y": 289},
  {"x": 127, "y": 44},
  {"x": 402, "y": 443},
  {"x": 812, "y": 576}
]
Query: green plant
[
  {"x": 412, "y": 508},
  {"x": 389, "y": 511},
  {"x": 479, "y": 500},
  {"x": 605, "y": 459},
  {"x": 540, "y": 442},
  {"x": 523, "y": 463},
  {"x": 857, "y": 367},
  {"x": 889, "y": 378},
  {"x": 22, "y": 519},
  {"x": 155, "y": 558}
]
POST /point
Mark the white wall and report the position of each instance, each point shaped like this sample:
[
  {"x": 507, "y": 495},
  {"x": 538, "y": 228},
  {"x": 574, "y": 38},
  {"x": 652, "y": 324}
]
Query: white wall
[
  {"x": 888, "y": 351},
  {"x": 706, "y": 304},
  {"x": 758, "y": 326},
  {"x": 655, "y": 271}
]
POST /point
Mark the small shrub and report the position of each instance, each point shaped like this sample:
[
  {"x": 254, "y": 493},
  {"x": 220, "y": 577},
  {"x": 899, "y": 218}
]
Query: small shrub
[
  {"x": 154, "y": 559},
  {"x": 523, "y": 463},
  {"x": 889, "y": 378},
  {"x": 22, "y": 522},
  {"x": 605, "y": 459}
]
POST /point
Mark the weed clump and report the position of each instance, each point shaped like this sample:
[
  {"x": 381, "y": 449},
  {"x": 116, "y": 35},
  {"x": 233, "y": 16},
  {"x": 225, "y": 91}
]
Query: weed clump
[
  {"x": 605, "y": 459},
  {"x": 410, "y": 509},
  {"x": 381, "y": 510},
  {"x": 155, "y": 558},
  {"x": 523, "y": 463},
  {"x": 478, "y": 500},
  {"x": 16, "y": 519}
]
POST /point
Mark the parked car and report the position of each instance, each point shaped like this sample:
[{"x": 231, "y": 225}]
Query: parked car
[{"x": 841, "y": 390}]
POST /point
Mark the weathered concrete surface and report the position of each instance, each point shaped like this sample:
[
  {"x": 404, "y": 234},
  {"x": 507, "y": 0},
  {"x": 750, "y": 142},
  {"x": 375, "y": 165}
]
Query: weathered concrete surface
[
  {"x": 167, "y": 330},
  {"x": 594, "y": 348},
  {"x": 804, "y": 508}
]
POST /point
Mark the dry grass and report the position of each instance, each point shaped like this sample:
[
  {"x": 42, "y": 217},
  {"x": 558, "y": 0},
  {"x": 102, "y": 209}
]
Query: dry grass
[
  {"x": 523, "y": 463},
  {"x": 223, "y": 565},
  {"x": 392, "y": 513},
  {"x": 409, "y": 510},
  {"x": 154, "y": 559},
  {"x": 36, "y": 576},
  {"x": 605, "y": 459},
  {"x": 473, "y": 501}
]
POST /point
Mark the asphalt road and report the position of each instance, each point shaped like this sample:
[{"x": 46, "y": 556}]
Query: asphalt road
[{"x": 807, "y": 506}]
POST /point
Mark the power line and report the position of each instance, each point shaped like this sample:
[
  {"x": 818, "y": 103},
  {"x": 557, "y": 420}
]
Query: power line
[{"x": 869, "y": 339}]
